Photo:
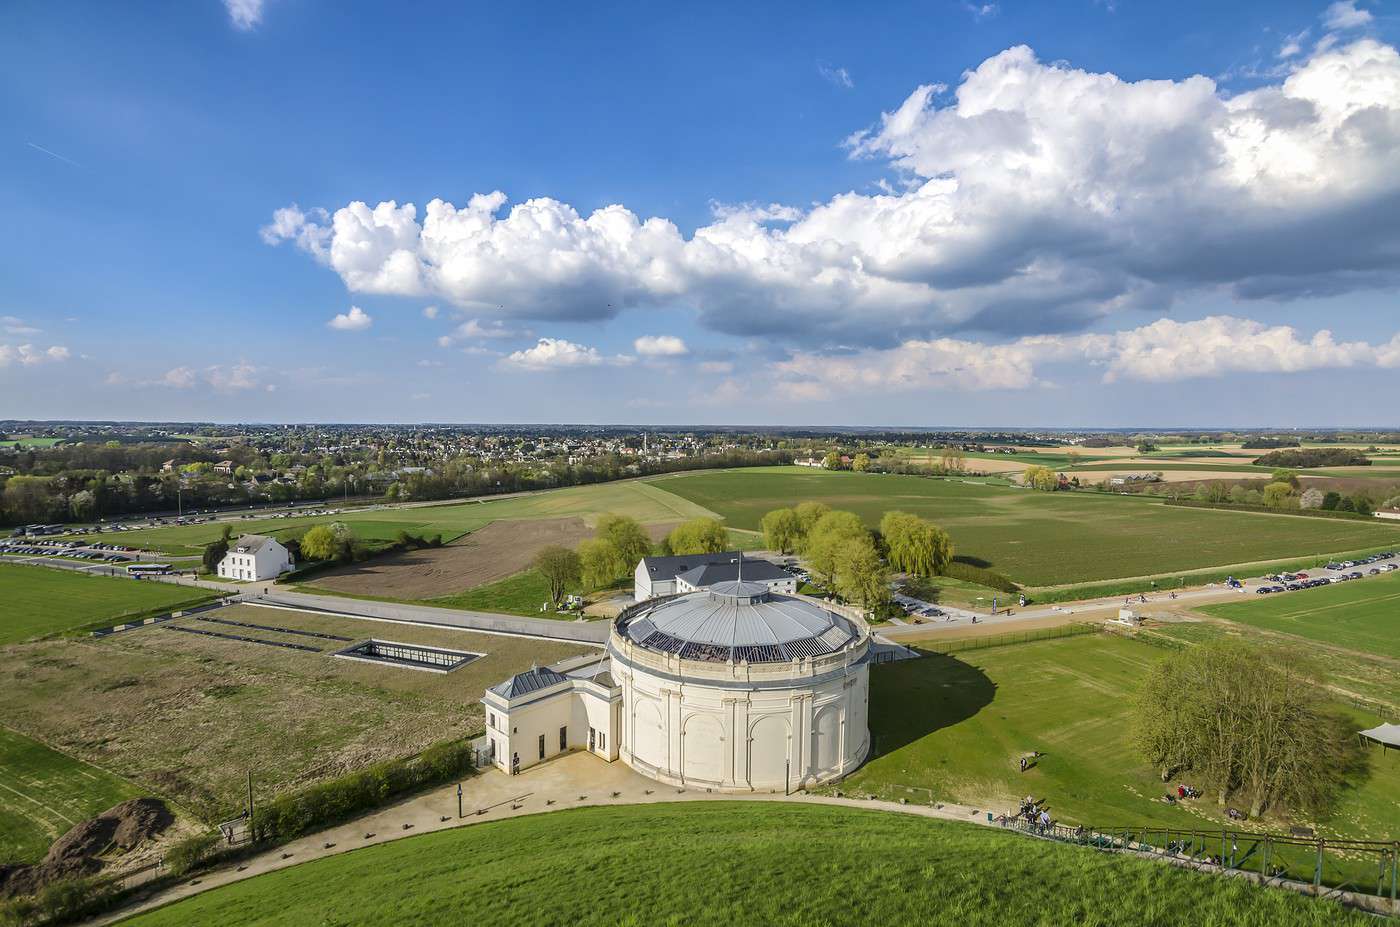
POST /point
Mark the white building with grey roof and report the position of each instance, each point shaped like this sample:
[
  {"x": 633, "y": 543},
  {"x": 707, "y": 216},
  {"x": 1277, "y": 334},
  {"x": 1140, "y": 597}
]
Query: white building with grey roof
[
  {"x": 733, "y": 688},
  {"x": 658, "y": 576},
  {"x": 255, "y": 557}
]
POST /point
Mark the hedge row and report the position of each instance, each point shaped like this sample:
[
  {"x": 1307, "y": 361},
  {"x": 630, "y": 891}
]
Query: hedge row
[
  {"x": 296, "y": 813},
  {"x": 1246, "y": 507},
  {"x": 982, "y": 577}
]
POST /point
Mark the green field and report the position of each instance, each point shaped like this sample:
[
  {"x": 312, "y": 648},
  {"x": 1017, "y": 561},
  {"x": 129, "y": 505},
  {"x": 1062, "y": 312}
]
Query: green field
[
  {"x": 43, "y": 793},
  {"x": 643, "y": 501},
  {"x": 38, "y": 601},
  {"x": 1039, "y": 539},
  {"x": 31, "y": 442},
  {"x": 1357, "y": 615},
  {"x": 737, "y": 863},
  {"x": 957, "y": 725}
]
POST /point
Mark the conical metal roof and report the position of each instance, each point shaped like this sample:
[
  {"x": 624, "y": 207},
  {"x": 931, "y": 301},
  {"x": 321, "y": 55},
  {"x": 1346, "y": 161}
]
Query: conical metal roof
[{"x": 739, "y": 622}]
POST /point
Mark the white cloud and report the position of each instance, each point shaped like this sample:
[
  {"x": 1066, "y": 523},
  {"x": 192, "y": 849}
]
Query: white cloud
[
  {"x": 1292, "y": 45},
  {"x": 429, "y": 363},
  {"x": 419, "y": 397},
  {"x": 660, "y": 346},
  {"x": 716, "y": 367},
  {"x": 244, "y": 14},
  {"x": 555, "y": 353},
  {"x": 430, "y": 312},
  {"x": 180, "y": 378},
  {"x": 1344, "y": 14},
  {"x": 17, "y": 326},
  {"x": 1163, "y": 351},
  {"x": 473, "y": 329},
  {"x": 1033, "y": 198},
  {"x": 984, "y": 10},
  {"x": 237, "y": 377},
  {"x": 840, "y": 77},
  {"x": 356, "y": 320},
  {"x": 28, "y": 355}
]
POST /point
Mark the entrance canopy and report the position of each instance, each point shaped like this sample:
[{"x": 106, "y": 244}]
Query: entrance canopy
[{"x": 1387, "y": 735}]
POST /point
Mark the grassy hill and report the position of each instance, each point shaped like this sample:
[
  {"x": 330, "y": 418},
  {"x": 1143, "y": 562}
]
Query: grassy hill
[
  {"x": 737, "y": 863},
  {"x": 38, "y": 602},
  {"x": 955, "y": 726},
  {"x": 1039, "y": 539}
]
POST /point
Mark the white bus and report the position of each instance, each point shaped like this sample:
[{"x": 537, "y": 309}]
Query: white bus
[{"x": 148, "y": 569}]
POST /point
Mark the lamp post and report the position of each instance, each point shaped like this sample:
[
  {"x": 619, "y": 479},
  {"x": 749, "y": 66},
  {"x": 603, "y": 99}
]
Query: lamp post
[{"x": 459, "y": 799}]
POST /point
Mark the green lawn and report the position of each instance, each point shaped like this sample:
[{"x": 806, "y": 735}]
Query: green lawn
[
  {"x": 957, "y": 725},
  {"x": 738, "y": 863},
  {"x": 1361, "y": 615},
  {"x": 38, "y": 601},
  {"x": 643, "y": 501},
  {"x": 520, "y": 594},
  {"x": 43, "y": 793},
  {"x": 1039, "y": 539}
]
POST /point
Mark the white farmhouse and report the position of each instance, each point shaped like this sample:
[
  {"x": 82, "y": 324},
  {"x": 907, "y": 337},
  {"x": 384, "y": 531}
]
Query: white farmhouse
[{"x": 255, "y": 557}]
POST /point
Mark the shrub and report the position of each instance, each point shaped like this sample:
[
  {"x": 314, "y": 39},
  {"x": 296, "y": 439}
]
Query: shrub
[
  {"x": 192, "y": 852},
  {"x": 296, "y": 813},
  {"x": 983, "y": 577}
]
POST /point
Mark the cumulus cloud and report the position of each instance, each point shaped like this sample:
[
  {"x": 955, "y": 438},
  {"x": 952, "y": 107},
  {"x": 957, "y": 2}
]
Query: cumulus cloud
[
  {"x": 244, "y": 14},
  {"x": 356, "y": 320},
  {"x": 1032, "y": 198},
  {"x": 1344, "y": 14},
  {"x": 223, "y": 378},
  {"x": 430, "y": 312},
  {"x": 1163, "y": 351},
  {"x": 558, "y": 353},
  {"x": 27, "y": 355},
  {"x": 660, "y": 346}
]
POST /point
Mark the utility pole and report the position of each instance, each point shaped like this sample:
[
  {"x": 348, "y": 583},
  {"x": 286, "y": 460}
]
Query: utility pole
[{"x": 250, "y": 806}]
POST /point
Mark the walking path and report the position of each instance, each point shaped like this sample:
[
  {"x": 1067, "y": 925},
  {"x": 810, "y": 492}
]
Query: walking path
[{"x": 577, "y": 780}]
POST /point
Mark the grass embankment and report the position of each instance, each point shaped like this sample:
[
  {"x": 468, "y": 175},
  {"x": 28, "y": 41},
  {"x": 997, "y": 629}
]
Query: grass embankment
[
  {"x": 954, "y": 727},
  {"x": 39, "y": 602},
  {"x": 43, "y": 793},
  {"x": 1040, "y": 539},
  {"x": 737, "y": 863},
  {"x": 1357, "y": 615}
]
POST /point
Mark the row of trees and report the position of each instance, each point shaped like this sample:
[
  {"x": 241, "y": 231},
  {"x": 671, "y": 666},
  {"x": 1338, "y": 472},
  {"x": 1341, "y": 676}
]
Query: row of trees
[
  {"x": 1254, "y": 726},
  {"x": 851, "y": 560},
  {"x": 1283, "y": 490}
]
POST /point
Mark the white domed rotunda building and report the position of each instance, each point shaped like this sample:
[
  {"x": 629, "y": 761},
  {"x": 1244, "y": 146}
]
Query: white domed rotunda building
[{"x": 735, "y": 688}]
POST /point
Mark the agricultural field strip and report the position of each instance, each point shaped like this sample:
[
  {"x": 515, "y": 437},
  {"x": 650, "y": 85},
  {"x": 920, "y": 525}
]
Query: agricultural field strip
[{"x": 1042, "y": 539}]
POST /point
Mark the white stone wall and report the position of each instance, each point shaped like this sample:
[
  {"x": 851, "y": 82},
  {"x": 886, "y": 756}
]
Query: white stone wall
[{"x": 744, "y": 740}]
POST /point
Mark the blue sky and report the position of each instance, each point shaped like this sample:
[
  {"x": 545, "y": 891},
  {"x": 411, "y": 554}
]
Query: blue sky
[{"x": 939, "y": 213}]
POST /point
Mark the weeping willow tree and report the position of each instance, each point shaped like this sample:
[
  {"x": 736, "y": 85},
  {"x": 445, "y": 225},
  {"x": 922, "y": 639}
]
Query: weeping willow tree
[{"x": 1254, "y": 725}]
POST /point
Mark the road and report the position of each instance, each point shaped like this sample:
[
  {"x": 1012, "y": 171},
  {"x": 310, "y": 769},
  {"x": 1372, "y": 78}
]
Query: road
[{"x": 1014, "y": 617}]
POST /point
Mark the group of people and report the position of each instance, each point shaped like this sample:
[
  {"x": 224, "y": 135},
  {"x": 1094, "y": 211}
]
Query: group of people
[
  {"x": 1183, "y": 792},
  {"x": 1037, "y": 817}
]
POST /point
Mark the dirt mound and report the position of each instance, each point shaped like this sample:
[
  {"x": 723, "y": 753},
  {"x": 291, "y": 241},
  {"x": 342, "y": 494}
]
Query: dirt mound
[{"x": 120, "y": 828}]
